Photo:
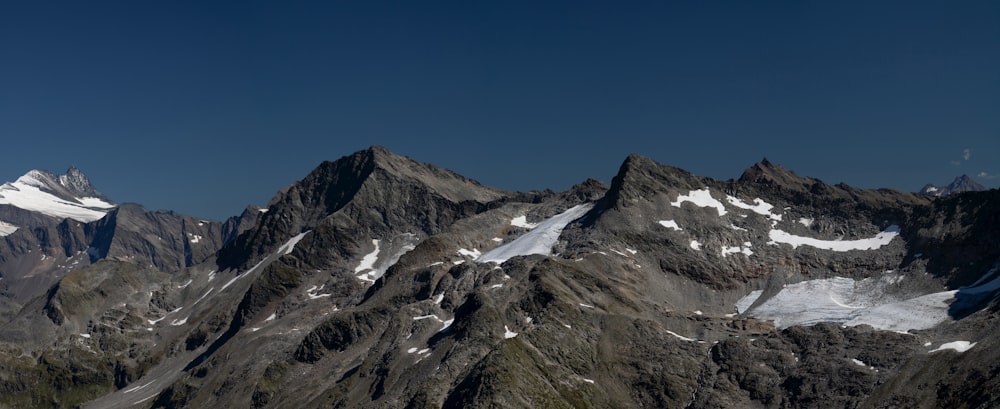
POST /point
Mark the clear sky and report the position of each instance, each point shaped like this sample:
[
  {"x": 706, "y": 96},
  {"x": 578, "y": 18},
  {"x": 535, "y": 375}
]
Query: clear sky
[{"x": 204, "y": 107}]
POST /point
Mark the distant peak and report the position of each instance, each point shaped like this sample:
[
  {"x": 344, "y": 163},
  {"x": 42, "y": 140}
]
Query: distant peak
[
  {"x": 963, "y": 183},
  {"x": 767, "y": 172},
  {"x": 73, "y": 184},
  {"x": 77, "y": 182}
]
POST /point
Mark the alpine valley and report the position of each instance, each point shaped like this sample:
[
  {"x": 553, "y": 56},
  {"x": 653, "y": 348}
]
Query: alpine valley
[{"x": 381, "y": 282}]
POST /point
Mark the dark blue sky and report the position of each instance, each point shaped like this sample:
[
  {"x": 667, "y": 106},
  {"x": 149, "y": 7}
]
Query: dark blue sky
[{"x": 204, "y": 108}]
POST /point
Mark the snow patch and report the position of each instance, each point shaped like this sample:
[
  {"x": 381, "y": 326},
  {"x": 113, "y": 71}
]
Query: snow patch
[
  {"x": 370, "y": 270},
  {"x": 806, "y": 221},
  {"x": 271, "y": 317},
  {"x": 859, "y": 363},
  {"x": 474, "y": 253},
  {"x": 368, "y": 261},
  {"x": 957, "y": 346},
  {"x": 758, "y": 206},
  {"x": 695, "y": 245},
  {"x": 540, "y": 240},
  {"x": 670, "y": 224},
  {"x": 522, "y": 221},
  {"x": 290, "y": 244},
  {"x": 179, "y": 322},
  {"x": 744, "y": 249},
  {"x": 313, "y": 292},
  {"x": 446, "y": 324},
  {"x": 507, "y": 333},
  {"x": 203, "y": 296},
  {"x": 6, "y": 229},
  {"x": 881, "y": 239},
  {"x": 700, "y": 198},
  {"x": 234, "y": 279},
  {"x": 681, "y": 337},
  {"x": 130, "y": 390},
  {"x": 85, "y": 335}
]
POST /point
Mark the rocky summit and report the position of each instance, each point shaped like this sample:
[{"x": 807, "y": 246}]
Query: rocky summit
[{"x": 378, "y": 281}]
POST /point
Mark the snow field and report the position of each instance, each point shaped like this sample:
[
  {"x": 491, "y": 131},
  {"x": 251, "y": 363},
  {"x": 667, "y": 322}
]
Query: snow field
[
  {"x": 25, "y": 194},
  {"x": 881, "y": 239},
  {"x": 539, "y": 240},
  {"x": 849, "y": 302}
]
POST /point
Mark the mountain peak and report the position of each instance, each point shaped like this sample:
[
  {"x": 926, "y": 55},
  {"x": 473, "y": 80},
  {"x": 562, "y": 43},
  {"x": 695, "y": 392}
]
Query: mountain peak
[
  {"x": 767, "y": 172},
  {"x": 74, "y": 182},
  {"x": 963, "y": 183},
  {"x": 70, "y": 195},
  {"x": 77, "y": 182}
]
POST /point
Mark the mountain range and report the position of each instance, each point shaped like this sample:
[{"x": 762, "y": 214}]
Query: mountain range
[
  {"x": 961, "y": 184},
  {"x": 378, "y": 281}
]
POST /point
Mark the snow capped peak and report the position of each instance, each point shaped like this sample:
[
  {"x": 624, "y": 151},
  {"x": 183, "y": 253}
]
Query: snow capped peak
[
  {"x": 961, "y": 184},
  {"x": 36, "y": 178},
  {"x": 62, "y": 196}
]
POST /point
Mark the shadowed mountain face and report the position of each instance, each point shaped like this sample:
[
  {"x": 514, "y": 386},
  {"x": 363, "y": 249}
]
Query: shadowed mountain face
[{"x": 378, "y": 281}]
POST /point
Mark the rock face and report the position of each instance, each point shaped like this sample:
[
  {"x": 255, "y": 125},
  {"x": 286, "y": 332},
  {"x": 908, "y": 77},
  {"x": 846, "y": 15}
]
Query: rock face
[{"x": 378, "y": 281}]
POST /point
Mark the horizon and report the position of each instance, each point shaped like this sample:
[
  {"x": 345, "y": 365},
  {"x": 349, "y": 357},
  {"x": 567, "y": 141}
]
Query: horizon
[{"x": 204, "y": 109}]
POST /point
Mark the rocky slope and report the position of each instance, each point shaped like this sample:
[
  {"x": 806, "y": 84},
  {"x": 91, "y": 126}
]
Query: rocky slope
[{"x": 379, "y": 281}]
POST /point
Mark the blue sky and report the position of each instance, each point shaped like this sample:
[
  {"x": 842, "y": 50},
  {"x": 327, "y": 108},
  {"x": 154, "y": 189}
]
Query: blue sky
[{"x": 205, "y": 108}]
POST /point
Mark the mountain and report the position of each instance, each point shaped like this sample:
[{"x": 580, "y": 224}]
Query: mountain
[
  {"x": 381, "y": 281},
  {"x": 53, "y": 224},
  {"x": 961, "y": 184},
  {"x": 59, "y": 196}
]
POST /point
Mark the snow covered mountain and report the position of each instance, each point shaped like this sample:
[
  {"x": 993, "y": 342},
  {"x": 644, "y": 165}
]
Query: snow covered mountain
[
  {"x": 53, "y": 224},
  {"x": 961, "y": 184},
  {"x": 67, "y": 196},
  {"x": 381, "y": 282}
]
